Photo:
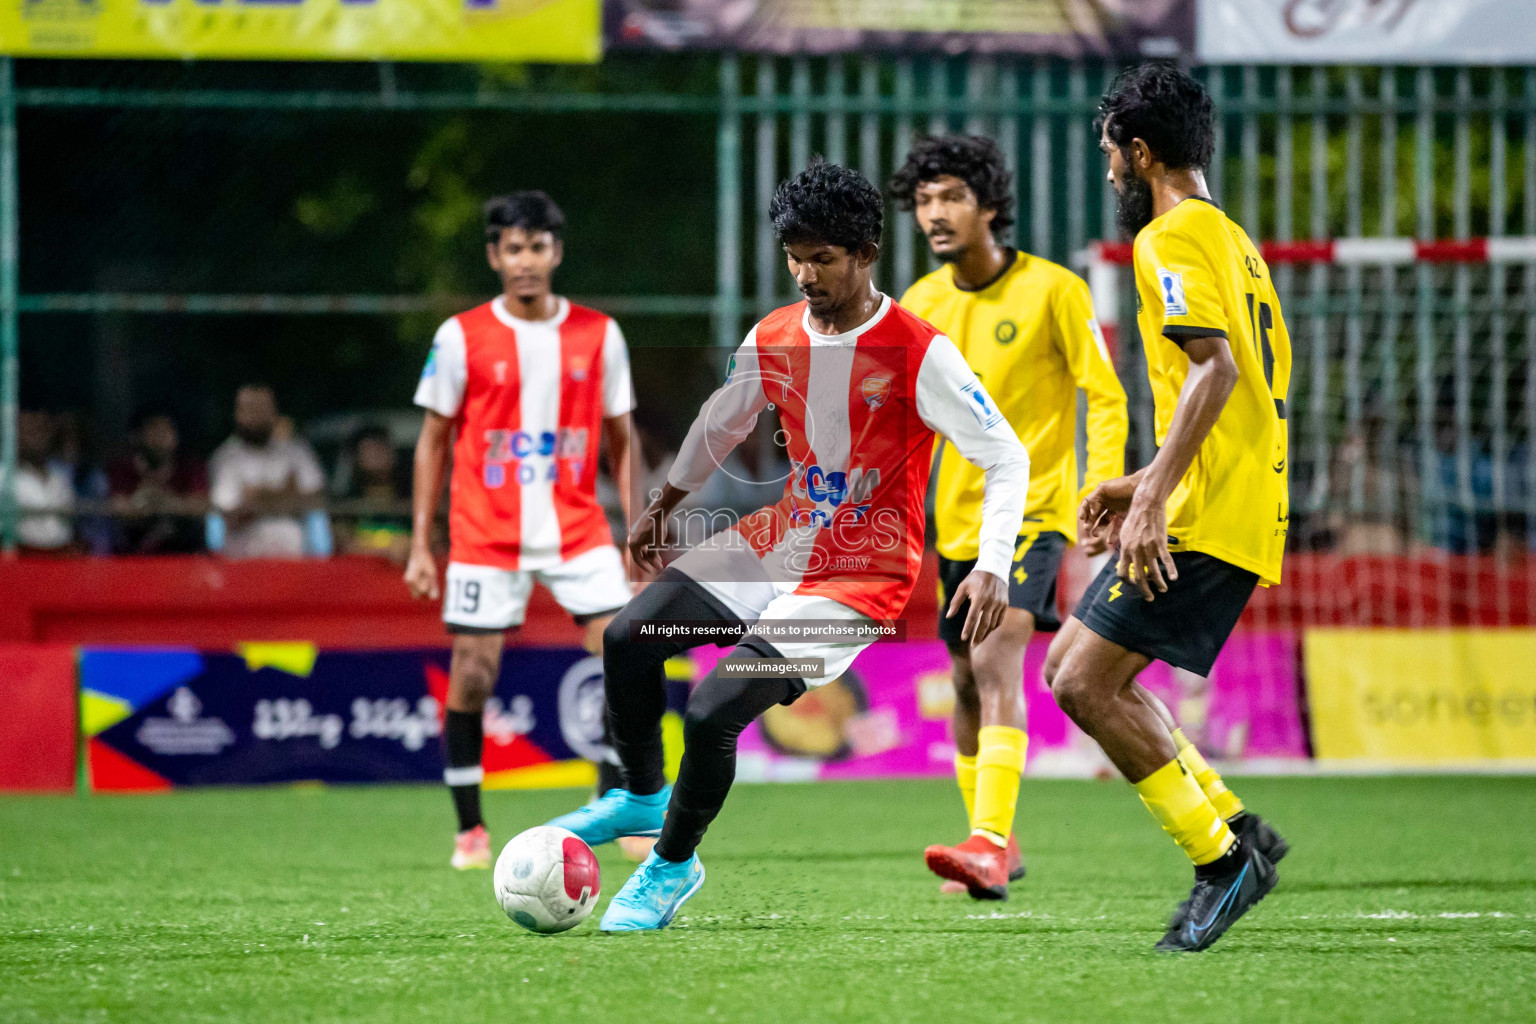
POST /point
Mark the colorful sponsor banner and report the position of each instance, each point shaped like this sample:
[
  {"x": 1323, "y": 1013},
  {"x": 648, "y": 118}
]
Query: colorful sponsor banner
[
  {"x": 1067, "y": 28},
  {"x": 272, "y": 713},
  {"x": 37, "y": 717},
  {"x": 1408, "y": 698},
  {"x": 492, "y": 30},
  {"x": 289, "y": 713},
  {"x": 890, "y": 714},
  {"x": 1366, "y": 31}
]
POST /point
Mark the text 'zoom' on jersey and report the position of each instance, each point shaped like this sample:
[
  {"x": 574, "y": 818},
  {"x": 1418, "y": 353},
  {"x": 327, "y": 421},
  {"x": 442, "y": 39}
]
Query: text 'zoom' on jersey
[
  {"x": 1032, "y": 339},
  {"x": 1199, "y": 275},
  {"x": 528, "y": 399},
  {"x": 859, "y": 411}
]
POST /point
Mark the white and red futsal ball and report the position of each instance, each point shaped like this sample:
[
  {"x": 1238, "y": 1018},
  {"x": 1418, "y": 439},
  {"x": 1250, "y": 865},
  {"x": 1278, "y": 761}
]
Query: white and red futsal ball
[{"x": 546, "y": 879}]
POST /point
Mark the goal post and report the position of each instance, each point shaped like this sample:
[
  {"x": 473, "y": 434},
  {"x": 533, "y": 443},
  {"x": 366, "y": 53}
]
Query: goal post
[{"x": 1412, "y": 424}]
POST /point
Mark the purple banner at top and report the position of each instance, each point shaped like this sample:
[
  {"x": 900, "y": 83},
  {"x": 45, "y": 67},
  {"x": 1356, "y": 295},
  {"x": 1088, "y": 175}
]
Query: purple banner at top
[
  {"x": 1065, "y": 28},
  {"x": 890, "y": 714}
]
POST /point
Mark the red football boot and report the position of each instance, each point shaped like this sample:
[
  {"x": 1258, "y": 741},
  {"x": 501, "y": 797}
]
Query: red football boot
[
  {"x": 1015, "y": 870},
  {"x": 983, "y": 867}
]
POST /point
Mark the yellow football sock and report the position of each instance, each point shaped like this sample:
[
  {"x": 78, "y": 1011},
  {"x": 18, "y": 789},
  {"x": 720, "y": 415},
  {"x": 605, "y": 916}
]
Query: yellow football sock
[
  {"x": 999, "y": 763},
  {"x": 1223, "y": 799},
  {"x": 1181, "y": 807},
  {"x": 965, "y": 777}
]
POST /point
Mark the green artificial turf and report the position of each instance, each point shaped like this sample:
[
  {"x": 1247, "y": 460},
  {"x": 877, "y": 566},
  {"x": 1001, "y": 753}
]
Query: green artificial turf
[{"x": 1404, "y": 899}]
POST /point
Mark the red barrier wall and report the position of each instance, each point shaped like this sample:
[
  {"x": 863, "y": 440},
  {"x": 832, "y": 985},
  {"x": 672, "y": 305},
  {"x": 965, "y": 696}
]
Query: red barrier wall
[
  {"x": 37, "y": 717},
  {"x": 361, "y": 602},
  {"x": 207, "y": 602}
]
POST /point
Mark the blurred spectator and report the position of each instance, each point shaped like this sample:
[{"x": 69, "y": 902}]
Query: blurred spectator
[
  {"x": 45, "y": 492},
  {"x": 265, "y": 486},
  {"x": 1373, "y": 486},
  {"x": 158, "y": 492},
  {"x": 93, "y": 528},
  {"x": 378, "y": 495}
]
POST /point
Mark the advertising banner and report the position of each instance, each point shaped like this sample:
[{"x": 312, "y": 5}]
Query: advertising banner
[
  {"x": 1366, "y": 32},
  {"x": 490, "y": 30},
  {"x": 155, "y": 719},
  {"x": 1406, "y": 698},
  {"x": 1067, "y": 28},
  {"x": 889, "y": 716},
  {"x": 274, "y": 713}
]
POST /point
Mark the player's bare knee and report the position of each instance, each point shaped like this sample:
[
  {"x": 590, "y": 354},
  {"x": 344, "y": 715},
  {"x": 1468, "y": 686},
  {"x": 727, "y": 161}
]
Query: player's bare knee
[
  {"x": 473, "y": 676},
  {"x": 615, "y": 636},
  {"x": 1076, "y": 694},
  {"x": 594, "y": 637},
  {"x": 1053, "y": 658}
]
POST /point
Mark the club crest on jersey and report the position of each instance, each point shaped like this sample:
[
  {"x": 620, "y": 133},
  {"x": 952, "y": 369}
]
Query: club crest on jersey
[
  {"x": 981, "y": 406},
  {"x": 876, "y": 391},
  {"x": 1172, "y": 287},
  {"x": 500, "y": 369}
]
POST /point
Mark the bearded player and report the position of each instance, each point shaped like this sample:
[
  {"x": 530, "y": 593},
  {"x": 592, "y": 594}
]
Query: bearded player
[
  {"x": 860, "y": 386},
  {"x": 1205, "y": 522},
  {"x": 522, "y": 390},
  {"x": 1026, "y": 327}
]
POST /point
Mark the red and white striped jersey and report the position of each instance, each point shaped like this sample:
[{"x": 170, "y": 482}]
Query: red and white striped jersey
[
  {"x": 859, "y": 411},
  {"x": 528, "y": 399}
]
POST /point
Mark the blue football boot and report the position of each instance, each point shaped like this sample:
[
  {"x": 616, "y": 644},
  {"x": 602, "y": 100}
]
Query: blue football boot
[
  {"x": 1218, "y": 901},
  {"x": 616, "y": 813},
  {"x": 652, "y": 895}
]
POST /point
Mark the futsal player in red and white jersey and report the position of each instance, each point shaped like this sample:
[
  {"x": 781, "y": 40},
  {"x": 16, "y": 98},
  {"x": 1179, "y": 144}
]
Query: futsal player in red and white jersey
[
  {"x": 860, "y": 386},
  {"x": 523, "y": 389}
]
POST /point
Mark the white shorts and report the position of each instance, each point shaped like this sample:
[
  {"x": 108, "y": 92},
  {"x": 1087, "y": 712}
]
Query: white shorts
[
  {"x": 739, "y": 580},
  {"x": 484, "y": 597}
]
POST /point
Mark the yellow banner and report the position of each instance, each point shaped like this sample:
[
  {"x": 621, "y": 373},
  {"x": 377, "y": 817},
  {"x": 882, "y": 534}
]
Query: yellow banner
[
  {"x": 1422, "y": 697},
  {"x": 449, "y": 30}
]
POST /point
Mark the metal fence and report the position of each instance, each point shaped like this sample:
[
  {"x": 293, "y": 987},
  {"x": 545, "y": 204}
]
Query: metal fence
[{"x": 1431, "y": 365}]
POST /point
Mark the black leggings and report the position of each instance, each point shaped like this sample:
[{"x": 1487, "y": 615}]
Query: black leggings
[{"x": 719, "y": 709}]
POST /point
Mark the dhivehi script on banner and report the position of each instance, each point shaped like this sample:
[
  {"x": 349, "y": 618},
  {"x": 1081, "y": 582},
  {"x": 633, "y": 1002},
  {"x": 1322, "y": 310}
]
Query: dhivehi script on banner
[{"x": 490, "y": 30}]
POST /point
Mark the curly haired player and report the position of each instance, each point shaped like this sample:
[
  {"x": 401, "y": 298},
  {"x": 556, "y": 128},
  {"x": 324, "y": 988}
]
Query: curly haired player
[
  {"x": 861, "y": 386},
  {"x": 1027, "y": 327}
]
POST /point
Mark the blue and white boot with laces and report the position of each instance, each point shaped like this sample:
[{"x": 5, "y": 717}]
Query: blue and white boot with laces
[
  {"x": 616, "y": 813},
  {"x": 653, "y": 894}
]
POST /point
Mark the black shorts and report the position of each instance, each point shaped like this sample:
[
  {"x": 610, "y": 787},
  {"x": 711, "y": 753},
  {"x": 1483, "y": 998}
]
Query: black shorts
[
  {"x": 1031, "y": 583},
  {"x": 1186, "y": 626}
]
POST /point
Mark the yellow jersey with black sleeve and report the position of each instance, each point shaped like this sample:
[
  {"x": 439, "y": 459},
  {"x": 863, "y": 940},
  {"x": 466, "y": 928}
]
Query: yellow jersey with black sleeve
[
  {"x": 1032, "y": 339},
  {"x": 1197, "y": 275}
]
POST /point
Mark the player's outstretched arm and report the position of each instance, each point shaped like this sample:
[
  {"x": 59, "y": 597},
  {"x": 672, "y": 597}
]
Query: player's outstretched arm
[
  {"x": 952, "y": 402},
  {"x": 426, "y": 488},
  {"x": 1144, "y": 557}
]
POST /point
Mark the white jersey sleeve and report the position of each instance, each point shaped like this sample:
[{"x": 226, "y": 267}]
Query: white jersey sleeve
[
  {"x": 952, "y": 402},
  {"x": 618, "y": 389},
  {"x": 443, "y": 378},
  {"x": 727, "y": 417}
]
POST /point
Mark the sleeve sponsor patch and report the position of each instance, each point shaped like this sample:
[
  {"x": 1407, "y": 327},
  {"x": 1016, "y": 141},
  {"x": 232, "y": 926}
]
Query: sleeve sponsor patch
[
  {"x": 430, "y": 370},
  {"x": 1172, "y": 287},
  {"x": 980, "y": 404}
]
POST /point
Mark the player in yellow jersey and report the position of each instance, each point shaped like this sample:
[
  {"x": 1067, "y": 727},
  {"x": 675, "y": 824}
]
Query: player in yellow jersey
[
  {"x": 1026, "y": 327},
  {"x": 1205, "y": 522}
]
